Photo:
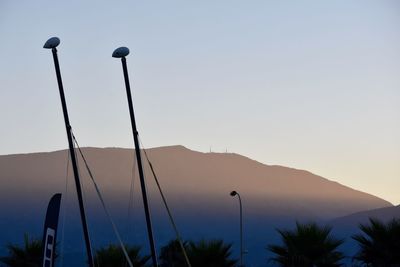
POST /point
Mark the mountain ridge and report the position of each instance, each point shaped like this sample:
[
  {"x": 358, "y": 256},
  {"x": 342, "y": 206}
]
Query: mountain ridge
[
  {"x": 384, "y": 214},
  {"x": 273, "y": 180},
  {"x": 197, "y": 187},
  {"x": 205, "y": 153}
]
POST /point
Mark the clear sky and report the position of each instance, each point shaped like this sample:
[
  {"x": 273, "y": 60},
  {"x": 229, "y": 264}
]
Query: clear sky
[{"x": 313, "y": 85}]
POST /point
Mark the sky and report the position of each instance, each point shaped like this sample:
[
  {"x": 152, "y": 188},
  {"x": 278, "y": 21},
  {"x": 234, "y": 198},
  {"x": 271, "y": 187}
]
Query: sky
[{"x": 311, "y": 85}]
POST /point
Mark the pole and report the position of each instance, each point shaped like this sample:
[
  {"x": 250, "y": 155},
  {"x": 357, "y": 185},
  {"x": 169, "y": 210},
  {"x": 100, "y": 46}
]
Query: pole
[
  {"x": 241, "y": 231},
  {"x": 73, "y": 158},
  {"x": 235, "y": 193},
  {"x": 139, "y": 162}
]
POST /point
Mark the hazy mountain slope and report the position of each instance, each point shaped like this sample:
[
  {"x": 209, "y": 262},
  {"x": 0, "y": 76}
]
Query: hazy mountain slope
[
  {"x": 196, "y": 184},
  {"x": 182, "y": 172},
  {"x": 384, "y": 214},
  {"x": 268, "y": 186},
  {"x": 347, "y": 226}
]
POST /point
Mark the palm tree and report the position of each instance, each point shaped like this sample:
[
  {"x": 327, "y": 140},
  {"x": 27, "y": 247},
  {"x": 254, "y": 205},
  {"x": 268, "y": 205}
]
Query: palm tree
[
  {"x": 307, "y": 246},
  {"x": 29, "y": 255},
  {"x": 379, "y": 243},
  {"x": 214, "y": 253},
  {"x": 113, "y": 256},
  {"x": 171, "y": 255}
]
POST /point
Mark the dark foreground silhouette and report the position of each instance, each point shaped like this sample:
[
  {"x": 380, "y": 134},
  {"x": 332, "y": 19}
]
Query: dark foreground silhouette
[{"x": 308, "y": 245}]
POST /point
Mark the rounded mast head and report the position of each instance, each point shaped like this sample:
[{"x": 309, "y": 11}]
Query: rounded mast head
[
  {"x": 120, "y": 52},
  {"x": 53, "y": 42},
  {"x": 233, "y": 193}
]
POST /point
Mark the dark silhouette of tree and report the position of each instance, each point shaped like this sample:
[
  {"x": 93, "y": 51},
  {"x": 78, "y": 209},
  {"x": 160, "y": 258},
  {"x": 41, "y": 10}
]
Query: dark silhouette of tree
[
  {"x": 379, "y": 244},
  {"x": 214, "y": 253},
  {"x": 113, "y": 256},
  {"x": 309, "y": 245},
  {"x": 28, "y": 255},
  {"x": 171, "y": 255}
]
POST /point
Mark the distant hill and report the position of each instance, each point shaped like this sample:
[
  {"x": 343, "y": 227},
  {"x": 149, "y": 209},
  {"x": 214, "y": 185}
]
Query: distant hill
[
  {"x": 196, "y": 184},
  {"x": 383, "y": 214},
  {"x": 347, "y": 226}
]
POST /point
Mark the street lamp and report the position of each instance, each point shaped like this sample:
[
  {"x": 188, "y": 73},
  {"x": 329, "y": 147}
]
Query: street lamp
[{"x": 234, "y": 193}]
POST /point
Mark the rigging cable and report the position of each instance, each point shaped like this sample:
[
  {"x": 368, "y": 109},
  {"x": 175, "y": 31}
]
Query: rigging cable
[
  {"x": 81, "y": 182},
  {"x": 178, "y": 236},
  {"x": 131, "y": 206},
  {"x": 64, "y": 212},
  {"x": 103, "y": 204},
  {"x": 131, "y": 194}
]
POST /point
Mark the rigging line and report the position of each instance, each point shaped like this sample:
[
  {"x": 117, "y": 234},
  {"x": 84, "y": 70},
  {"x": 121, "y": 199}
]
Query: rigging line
[
  {"x": 178, "y": 236},
  {"x": 131, "y": 193},
  {"x": 64, "y": 212},
  {"x": 81, "y": 182},
  {"x": 103, "y": 203},
  {"x": 131, "y": 202}
]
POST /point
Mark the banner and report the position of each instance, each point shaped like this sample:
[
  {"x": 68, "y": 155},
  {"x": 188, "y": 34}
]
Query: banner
[{"x": 50, "y": 231}]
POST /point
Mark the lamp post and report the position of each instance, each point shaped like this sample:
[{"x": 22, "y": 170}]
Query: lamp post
[{"x": 234, "y": 193}]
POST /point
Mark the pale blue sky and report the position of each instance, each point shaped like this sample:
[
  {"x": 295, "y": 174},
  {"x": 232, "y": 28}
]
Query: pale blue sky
[{"x": 307, "y": 84}]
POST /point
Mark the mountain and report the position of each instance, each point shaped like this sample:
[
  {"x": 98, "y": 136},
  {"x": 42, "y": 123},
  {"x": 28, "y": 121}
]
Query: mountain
[
  {"x": 197, "y": 187},
  {"x": 353, "y": 220},
  {"x": 347, "y": 226}
]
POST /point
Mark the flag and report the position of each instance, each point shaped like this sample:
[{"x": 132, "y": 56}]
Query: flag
[{"x": 50, "y": 231}]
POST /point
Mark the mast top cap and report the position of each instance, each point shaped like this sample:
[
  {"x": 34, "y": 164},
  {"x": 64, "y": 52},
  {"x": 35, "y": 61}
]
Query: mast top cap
[
  {"x": 121, "y": 52},
  {"x": 53, "y": 42}
]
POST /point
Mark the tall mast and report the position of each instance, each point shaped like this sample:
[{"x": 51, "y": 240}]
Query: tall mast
[
  {"x": 52, "y": 43},
  {"x": 122, "y": 52}
]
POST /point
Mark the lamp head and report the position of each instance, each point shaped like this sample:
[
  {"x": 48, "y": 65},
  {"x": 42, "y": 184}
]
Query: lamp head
[
  {"x": 121, "y": 52},
  {"x": 233, "y": 193},
  {"x": 53, "y": 42}
]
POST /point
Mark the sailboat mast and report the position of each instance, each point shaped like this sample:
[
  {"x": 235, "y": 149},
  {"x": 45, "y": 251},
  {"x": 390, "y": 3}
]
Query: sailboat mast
[
  {"x": 122, "y": 52},
  {"x": 52, "y": 43}
]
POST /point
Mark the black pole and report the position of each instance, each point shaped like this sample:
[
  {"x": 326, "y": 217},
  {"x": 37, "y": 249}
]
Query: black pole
[
  {"x": 73, "y": 159},
  {"x": 241, "y": 231},
  {"x": 235, "y": 193},
  {"x": 139, "y": 162}
]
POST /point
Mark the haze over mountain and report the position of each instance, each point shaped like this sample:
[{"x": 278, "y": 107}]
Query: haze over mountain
[
  {"x": 352, "y": 220},
  {"x": 197, "y": 187},
  {"x": 347, "y": 226}
]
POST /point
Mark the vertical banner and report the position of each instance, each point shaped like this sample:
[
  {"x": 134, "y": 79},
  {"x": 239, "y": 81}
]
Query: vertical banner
[{"x": 50, "y": 231}]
